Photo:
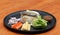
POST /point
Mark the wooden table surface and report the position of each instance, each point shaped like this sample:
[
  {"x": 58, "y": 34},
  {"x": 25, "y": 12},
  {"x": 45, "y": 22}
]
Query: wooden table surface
[{"x": 9, "y": 6}]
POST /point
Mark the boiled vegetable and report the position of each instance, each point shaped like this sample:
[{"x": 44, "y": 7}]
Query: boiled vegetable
[
  {"x": 16, "y": 25},
  {"x": 26, "y": 26},
  {"x": 39, "y": 23}
]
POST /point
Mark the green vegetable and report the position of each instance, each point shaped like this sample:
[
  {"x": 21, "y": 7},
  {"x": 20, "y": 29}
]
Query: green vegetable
[{"x": 39, "y": 22}]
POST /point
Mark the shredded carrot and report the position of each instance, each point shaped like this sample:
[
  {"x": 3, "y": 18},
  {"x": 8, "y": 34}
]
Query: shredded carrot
[{"x": 17, "y": 25}]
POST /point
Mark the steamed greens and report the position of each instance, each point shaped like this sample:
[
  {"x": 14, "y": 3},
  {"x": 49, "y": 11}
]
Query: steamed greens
[{"x": 39, "y": 22}]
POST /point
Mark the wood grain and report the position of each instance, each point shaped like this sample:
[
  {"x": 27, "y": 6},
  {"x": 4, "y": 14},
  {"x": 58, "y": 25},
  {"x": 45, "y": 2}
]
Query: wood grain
[{"x": 9, "y": 6}]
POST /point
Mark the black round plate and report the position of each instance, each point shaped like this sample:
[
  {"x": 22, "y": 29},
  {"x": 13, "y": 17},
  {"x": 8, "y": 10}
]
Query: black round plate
[{"x": 17, "y": 14}]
